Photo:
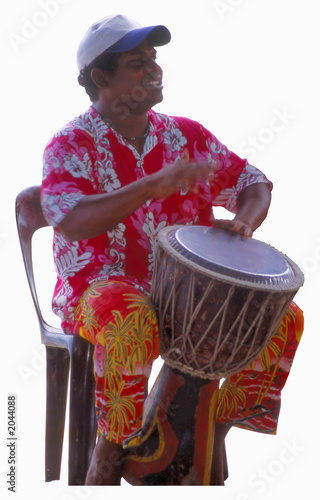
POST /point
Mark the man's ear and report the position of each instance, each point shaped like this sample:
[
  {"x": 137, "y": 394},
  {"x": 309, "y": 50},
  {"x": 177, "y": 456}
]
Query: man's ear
[{"x": 100, "y": 78}]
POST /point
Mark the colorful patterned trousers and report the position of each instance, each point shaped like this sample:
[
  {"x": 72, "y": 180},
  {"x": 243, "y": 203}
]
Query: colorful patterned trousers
[{"x": 121, "y": 322}]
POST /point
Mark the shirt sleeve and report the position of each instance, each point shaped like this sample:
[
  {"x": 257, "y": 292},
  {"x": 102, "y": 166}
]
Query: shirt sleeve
[
  {"x": 67, "y": 173},
  {"x": 227, "y": 197},
  {"x": 234, "y": 176}
]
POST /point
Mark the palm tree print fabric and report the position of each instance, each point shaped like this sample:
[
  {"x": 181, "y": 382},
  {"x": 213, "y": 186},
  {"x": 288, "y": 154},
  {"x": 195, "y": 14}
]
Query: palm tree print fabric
[{"x": 120, "y": 321}]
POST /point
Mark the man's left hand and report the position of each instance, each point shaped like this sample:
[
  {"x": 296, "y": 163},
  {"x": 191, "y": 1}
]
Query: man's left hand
[{"x": 235, "y": 225}]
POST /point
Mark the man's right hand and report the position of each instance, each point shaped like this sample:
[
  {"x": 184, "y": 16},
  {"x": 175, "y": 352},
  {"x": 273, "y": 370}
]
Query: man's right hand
[{"x": 183, "y": 175}]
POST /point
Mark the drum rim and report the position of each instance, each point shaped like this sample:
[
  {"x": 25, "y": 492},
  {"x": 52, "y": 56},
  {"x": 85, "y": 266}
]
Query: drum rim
[{"x": 275, "y": 284}]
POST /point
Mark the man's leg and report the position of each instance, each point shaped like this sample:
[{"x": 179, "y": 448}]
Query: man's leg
[
  {"x": 251, "y": 399},
  {"x": 121, "y": 322},
  {"x": 106, "y": 464},
  {"x": 219, "y": 469}
]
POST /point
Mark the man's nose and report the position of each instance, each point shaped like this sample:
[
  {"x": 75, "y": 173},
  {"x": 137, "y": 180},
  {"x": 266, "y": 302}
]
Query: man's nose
[{"x": 154, "y": 68}]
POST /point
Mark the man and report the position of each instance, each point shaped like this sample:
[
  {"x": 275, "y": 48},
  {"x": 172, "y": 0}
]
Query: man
[{"x": 112, "y": 178}]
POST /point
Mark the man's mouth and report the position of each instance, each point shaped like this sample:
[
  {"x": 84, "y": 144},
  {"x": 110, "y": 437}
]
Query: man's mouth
[{"x": 154, "y": 84}]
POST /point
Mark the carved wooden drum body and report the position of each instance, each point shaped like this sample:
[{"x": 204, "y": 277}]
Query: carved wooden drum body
[{"x": 219, "y": 298}]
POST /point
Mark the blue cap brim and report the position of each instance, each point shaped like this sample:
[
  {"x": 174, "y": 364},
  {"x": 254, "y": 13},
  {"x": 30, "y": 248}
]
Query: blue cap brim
[{"x": 157, "y": 35}]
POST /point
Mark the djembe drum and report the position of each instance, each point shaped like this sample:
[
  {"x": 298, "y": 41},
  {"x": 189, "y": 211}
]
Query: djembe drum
[{"x": 219, "y": 298}]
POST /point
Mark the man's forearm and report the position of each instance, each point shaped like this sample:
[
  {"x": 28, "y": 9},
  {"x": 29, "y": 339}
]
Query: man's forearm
[
  {"x": 97, "y": 214},
  {"x": 253, "y": 205}
]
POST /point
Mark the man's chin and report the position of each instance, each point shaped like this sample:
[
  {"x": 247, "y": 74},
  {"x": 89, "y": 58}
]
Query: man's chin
[{"x": 149, "y": 103}]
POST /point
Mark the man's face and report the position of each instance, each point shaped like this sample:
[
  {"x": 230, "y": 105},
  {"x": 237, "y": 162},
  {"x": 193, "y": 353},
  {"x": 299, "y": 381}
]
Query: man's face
[{"x": 137, "y": 83}]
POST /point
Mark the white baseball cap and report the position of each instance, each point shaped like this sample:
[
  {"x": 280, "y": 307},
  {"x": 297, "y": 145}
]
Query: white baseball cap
[{"x": 117, "y": 33}]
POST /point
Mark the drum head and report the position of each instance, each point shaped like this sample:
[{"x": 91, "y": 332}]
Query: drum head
[{"x": 232, "y": 257}]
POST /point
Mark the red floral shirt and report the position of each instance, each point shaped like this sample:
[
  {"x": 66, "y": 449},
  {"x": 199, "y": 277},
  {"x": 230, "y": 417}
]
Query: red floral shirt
[{"x": 87, "y": 156}]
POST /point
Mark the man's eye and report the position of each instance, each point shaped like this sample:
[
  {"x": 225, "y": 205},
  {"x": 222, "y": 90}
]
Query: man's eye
[
  {"x": 138, "y": 62},
  {"x": 144, "y": 62}
]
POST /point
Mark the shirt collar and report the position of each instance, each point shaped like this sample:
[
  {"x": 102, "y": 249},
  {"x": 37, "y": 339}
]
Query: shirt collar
[{"x": 156, "y": 127}]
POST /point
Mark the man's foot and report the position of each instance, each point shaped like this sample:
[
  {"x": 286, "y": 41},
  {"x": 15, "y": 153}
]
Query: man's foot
[
  {"x": 219, "y": 470},
  {"x": 106, "y": 464}
]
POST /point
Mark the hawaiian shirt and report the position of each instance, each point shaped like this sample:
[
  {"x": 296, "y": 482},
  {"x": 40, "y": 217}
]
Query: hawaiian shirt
[{"x": 88, "y": 157}]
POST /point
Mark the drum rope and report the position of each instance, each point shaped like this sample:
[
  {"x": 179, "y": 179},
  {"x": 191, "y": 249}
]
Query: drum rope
[
  {"x": 223, "y": 309},
  {"x": 255, "y": 327},
  {"x": 173, "y": 307},
  {"x": 189, "y": 307},
  {"x": 193, "y": 313}
]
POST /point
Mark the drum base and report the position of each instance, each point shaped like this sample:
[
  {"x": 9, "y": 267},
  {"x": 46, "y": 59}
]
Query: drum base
[{"x": 176, "y": 441}]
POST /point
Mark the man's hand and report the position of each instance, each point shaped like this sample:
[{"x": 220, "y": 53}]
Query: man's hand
[
  {"x": 183, "y": 175},
  {"x": 234, "y": 225}
]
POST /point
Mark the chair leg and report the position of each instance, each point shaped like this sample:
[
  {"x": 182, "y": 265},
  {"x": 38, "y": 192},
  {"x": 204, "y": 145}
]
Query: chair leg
[
  {"x": 82, "y": 427},
  {"x": 58, "y": 363}
]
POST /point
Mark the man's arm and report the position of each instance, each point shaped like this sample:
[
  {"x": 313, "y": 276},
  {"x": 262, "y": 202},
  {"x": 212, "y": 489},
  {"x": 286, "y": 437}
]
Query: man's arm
[
  {"x": 253, "y": 205},
  {"x": 97, "y": 214}
]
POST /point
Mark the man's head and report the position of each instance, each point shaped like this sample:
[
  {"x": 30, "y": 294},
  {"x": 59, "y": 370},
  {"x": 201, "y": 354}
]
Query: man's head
[{"x": 106, "y": 40}]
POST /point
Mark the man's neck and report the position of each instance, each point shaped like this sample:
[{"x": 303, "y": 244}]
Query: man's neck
[{"x": 125, "y": 123}]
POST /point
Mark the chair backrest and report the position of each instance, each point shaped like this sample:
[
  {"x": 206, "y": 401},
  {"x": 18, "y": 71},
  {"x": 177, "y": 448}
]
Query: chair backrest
[{"x": 30, "y": 218}]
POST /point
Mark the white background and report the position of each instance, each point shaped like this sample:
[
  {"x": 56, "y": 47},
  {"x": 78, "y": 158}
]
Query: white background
[{"x": 248, "y": 70}]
